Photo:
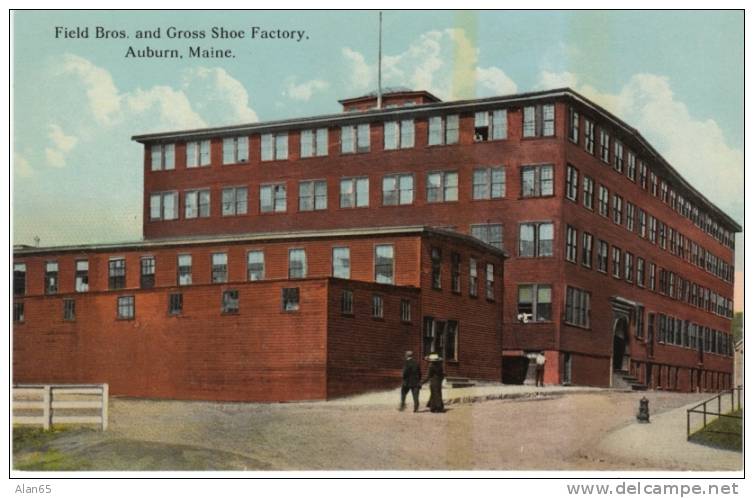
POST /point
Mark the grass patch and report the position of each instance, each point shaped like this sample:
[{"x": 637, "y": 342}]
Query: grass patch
[
  {"x": 724, "y": 433},
  {"x": 32, "y": 450}
]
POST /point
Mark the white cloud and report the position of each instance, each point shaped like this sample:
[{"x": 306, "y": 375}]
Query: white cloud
[
  {"x": 102, "y": 94},
  {"x": 218, "y": 96},
  {"x": 167, "y": 108},
  {"x": 304, "y": 91},
  {"x": 445, "y": 63},
  {"x": 696, "y": 147},
  {"x": 61, "y": 145},
  {"x": 21, "y": 166}
]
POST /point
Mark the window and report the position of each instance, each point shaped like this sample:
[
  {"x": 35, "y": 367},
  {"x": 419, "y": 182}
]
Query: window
[
  {"x": 235, "y": 200},
  {"x": 473, "y": 278},
  {"x": 664, "y": 191},
  {"x": 491, "y": 234},
  {"x": 354, "y": 138},
  {"x": 399, "y": 134},
  {"x": 175, "y": 304},
  {"x": 198, "y": 154},
  {"x": 116, "y": 273},
  {"x": 539, "y": 120},
  {"x": 490, "y": 281},
  {"x": 455, "y": 272},
  {"x": 341, "y": 262},
  {"x": 578, "y": 307},
  {"x": 616, "y": 262},
  {"x": 69, "y": 310},
  {"x": 572, "y": 183},
  {"x": 450, "y": 341},
  {"x": 312, "y": 195},
  {"x": 346, "y": 302},
  {"x": 588, "y": 197},
  {"x": 163, "y": 206},
  {"x": 617, "y": 209},
  {"x": 274, "y": 146},
  {"x": 535, "y": 240},
  {"x": 405, "y": 310},
  {"x": 296, "y": 263},
  {"x": 663, "y": 235},
  {"x": 18, "y": 312},
  {"x": 573, "y": 125},
  {"x": 643, "y": 175},
  {"x": 443, "y": 130},
  {"x": 397, "y": 189},
  {"x": 604, "y": 200},
  {"x": 272, "y": 198},
  {"x": 290, "y": 299},
  {"x": 235, "y": 150},
  {"x": 640, "y": 272},
  {"x": 436, "y": 258},
  {"x": 604, "y": 146},
  {"x": 588, "y": 136},
  {"x": 535, "y": 300},
  {"x": 652, "y": 229},
  {"x": 442, "y": 186},
  {"x": 586, "y": 249},
  {"x": 653, "y": 183},
  {"x": 631, "y": 166},
  {"x": 163, "y": 157},
  {"x": 255, "y": 265},
  {"x": 642, "y": 223},
  {"x": 652, "y": 276},
  {"x": 383, "y": 264},
  {"x": 354, "y": 192},
  {"x": 630, "y": 210},
  {"x": 571, "y": 244},
  {"x": 126, "y": 308},
  {"x": 628, "y": 266},
  {"x": 602, "y": 256},
  {"x": 499, "y": 125},
  {"x": 489, "y": 183},
  {"x": 639, "y": 322},
  {"x": 82, "y": 276},
  {"x": 219, "y": 267},
  {"x": 147, "y": 272},
  {"x": 377, "y": 306},
  {"x": 536, "y": 181},
  {"x": 314, "y": 142},
  {"x": 19, "y": 279},
  {"x": 184, "y": 269},
  {"x": 230, "y": 302},
  {"x": 618, "y": 157},
  {"x": 197, "y": 203}
]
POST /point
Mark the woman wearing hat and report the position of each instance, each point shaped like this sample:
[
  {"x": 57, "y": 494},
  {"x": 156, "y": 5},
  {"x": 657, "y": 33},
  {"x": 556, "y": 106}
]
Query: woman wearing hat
[{"x": 435, "y": 377}]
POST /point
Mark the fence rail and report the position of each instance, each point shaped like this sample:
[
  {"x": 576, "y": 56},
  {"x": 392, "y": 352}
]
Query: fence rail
[
  {"x": 727, "y": 401},
  {"x": 50, "y": 404}
]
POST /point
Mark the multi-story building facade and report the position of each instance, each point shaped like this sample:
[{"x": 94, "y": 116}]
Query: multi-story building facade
[{"x": 618, "y": 267}]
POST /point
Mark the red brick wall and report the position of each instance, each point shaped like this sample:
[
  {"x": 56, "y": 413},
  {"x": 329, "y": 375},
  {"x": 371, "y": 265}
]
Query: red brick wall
[
  {"x": 259, "y": 354},
  {"x": 363, "y": 352}
]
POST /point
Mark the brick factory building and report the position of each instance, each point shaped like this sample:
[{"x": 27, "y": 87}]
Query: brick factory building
[{"x": 318, "y": 249}]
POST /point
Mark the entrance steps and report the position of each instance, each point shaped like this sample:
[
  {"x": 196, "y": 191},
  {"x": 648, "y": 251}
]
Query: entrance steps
[
  {"x": 457, "y": 382},
  {"x": 624, "y": 380}
]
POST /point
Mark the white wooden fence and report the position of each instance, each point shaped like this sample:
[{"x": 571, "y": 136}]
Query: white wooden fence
[{"x": 50, "y": 404}]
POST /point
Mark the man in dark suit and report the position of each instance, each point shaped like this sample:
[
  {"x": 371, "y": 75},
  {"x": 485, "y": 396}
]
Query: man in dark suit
[{"x": 412, "y": 376}]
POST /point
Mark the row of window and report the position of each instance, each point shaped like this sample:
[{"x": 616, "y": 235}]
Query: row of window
[
  {"x": 290, "y": 300},
  {"x": 436, "y": 261},
  {"x": 538, "y": 121},
  {"x": 297, "y": 268},
  {"x": 683, "y": 333},
  {"x": 632, "y": 269},
  {"x": 645, "y": 225},
  {"x": 624, "y": 160}
]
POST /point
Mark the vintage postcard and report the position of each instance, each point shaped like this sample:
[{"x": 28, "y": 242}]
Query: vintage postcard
[{"x": 261, "y": 241}]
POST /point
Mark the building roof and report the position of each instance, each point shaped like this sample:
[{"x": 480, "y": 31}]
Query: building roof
[
  {"x": 257, "y": 237},
  {"x": 671, "y": 174},
  {"x": 393, "y": 91}
]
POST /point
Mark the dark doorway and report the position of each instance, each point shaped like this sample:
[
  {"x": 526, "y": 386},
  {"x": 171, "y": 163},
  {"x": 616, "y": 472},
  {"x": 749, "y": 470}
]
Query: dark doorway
[
  {"x": 620, "y": 339},
  {"x": 514, "y": 369}
]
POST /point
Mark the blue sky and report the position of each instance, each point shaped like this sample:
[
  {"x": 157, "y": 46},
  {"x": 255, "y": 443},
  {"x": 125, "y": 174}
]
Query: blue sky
[{"x": 676, "y": 76}]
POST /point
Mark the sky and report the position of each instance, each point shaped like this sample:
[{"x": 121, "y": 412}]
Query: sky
[{"x": 77, "y": 177}]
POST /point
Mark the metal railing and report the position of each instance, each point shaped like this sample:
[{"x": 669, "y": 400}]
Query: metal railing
[
  {"x": 49, "y": 404},
  {"x": 727, "y": 402}
]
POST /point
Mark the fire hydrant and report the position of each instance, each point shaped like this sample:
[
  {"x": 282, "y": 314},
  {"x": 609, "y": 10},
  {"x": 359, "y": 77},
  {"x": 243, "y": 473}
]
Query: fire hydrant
[{"x": 643, "y": 415}]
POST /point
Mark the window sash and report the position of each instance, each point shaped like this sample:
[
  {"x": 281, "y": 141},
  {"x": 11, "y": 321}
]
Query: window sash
[
  {"x": 383, "y": 264},
  {"x": 341, "y": 262},
  {"x": 296, "y": 263},
  {"x": 255, "y": 265}
]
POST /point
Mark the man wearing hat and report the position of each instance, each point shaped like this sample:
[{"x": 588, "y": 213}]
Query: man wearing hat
[{"x": 412, "y": 376}]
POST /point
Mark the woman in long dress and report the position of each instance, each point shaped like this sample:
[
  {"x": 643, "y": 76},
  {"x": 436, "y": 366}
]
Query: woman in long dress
[{"x": 435, "y": 377}]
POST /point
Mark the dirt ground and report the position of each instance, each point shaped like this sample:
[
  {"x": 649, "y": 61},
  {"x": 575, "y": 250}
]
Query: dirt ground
[{"x": 555, "y": 432}]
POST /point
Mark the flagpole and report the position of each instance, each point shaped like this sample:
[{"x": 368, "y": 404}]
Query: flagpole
[{"x": 379, "y": 68}]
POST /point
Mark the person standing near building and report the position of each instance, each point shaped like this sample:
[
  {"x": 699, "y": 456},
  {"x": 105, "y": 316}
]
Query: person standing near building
[
  {"x": 435, "y": 377},
  {"x": 412, "y": 376},
  {"x": 540, "y": 369}
]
